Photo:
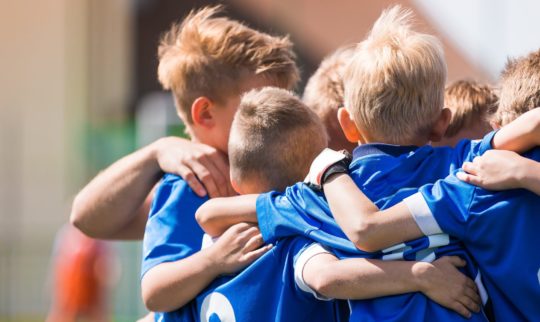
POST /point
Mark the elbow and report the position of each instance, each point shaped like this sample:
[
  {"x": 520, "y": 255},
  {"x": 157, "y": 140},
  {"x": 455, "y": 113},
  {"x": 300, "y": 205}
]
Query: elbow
[
  {"x": 202, "y": 215},
  {"x": 78, "y": 216},
  {"x": 151, "y": 297},
  {"x": 361, "y": 236},
  {"x": 325, "y": 284}
]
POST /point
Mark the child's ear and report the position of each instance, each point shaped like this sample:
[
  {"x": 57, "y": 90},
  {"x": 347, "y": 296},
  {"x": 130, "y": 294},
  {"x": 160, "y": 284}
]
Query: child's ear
[
  {"x": 441, "y": 124},
  {"x": 202, "y": 112},
  {"x": 348, "y": 126}
]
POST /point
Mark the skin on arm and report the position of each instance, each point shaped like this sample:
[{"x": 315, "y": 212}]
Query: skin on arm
[
  {"x": 218, "y": 214},
  {"x": 502, "y": 170},
  {"x": 169, "y": 286},
  {"x": 369, "y": 228},
  {"x": 359, "y": 278},
  {"x": 115, "y": 204}
]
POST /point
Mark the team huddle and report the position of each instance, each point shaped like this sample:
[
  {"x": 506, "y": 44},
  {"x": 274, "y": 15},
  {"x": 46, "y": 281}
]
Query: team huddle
[{"x": 408, "y": 227}]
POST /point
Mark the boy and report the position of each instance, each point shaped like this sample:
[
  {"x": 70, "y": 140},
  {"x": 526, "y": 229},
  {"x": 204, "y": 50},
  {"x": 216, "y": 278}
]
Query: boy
[
  {"x": 273, "y": 139},
  {"x": 499, "y": 229},
  {"x": 207, "y": 62},
  {"x": 394, "y": 91},
  {"x": 472, "y": 105},
  {"x": 324, "y": 95}
]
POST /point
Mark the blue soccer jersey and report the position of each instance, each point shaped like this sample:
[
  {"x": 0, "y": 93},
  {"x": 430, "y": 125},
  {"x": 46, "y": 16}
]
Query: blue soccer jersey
[
  {"x": 386, "y": 174},
  {"x": 265, "y": 291},
  {"x": 172, "y": 233},
  {"x": 499, "y": 229}
]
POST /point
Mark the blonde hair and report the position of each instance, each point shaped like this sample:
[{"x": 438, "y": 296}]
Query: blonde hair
[
  {"x": 394, "y": 85},
  {"x": 324, "y": 90},
  {"x": 209, "y": 56},
  {"x": 519, "y": 88},
  {"x": 471, "y": 103},
  {"x": 274, "y": 138}
]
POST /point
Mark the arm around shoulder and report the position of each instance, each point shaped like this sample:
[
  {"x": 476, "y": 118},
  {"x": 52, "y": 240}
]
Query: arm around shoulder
[{"x": 218, "y": 214}]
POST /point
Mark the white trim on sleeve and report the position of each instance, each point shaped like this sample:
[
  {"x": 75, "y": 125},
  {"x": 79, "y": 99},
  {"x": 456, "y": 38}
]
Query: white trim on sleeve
[
  {"x": 307, "y": 254},
  {"x": 421, "y": 213}
]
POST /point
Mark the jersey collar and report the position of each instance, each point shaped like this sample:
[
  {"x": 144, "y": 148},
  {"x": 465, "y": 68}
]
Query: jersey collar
[{"x": 381, "y": 148}]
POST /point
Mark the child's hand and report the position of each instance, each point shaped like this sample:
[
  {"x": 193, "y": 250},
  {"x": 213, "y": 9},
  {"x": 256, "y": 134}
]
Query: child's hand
[
  {"x": 205, "y": 169},
  {"x": 495, "y": 170},
  {"x": 238, "y": 247},
  {"x": 443, "y": 283}
]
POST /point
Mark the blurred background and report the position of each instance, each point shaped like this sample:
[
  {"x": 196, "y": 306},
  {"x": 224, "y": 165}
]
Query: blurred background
[{"x": 79, "y": 90}]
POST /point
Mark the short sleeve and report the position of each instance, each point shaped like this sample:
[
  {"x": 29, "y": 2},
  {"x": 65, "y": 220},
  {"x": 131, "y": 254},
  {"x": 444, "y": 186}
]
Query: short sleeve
[
  {"x": 445, "y": 207},
  {"x": 302, "y": 259},
  {"x": 283, "y": 215},
  {"x": 171, "y": 233}
]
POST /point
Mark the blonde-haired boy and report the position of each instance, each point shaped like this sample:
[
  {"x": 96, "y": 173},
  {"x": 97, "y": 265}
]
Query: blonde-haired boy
[
  {"x": 207, "y": 62},
  {"x": 324, "y": 94},
  {"x": 393, "y": 103},
  {"x": 498, "y": 228},
  {"x": 472, "y": 105}
]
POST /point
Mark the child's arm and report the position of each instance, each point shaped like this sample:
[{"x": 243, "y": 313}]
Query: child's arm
[
  {"x": 169, "y": 286},
  {"x": 502, "y": 170},
  {"x": 359, "y": 278},
  {"x": 218, "y": 214},
  {"x": 371, "y": 230},
  {"x": 115, "y": 204}
]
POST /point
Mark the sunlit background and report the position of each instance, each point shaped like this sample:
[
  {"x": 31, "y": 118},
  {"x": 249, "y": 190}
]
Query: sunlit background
[{"x": 78, "y": 91}]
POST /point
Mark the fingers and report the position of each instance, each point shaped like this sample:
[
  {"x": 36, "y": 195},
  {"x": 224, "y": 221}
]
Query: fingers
[
  {"x": 461, "y": 309},
  {"x": 456, "y": 261},
  {"x": 470, "y": 167},
  {"x": 468, "y": 178},
  {"x": 254, "y": 242},
  {"x": 215, "y": 176},
  {"x": 201, "y": 169},
  {"x": 253, "y": 255},
  {"x": 191, "y": 180}
]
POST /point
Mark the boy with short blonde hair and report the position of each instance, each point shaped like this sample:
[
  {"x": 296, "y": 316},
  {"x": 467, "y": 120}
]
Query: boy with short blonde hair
[
  {"x": 324, "y": 94},
  {"x": 207, "y": 62},
  {"x": 394, "y": 85},
  {"x": 498, "y": 228},
  {"x": 472, "y": 105}
]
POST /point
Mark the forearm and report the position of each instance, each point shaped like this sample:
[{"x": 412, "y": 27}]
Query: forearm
[
  {"x": 216, "y": 215},
  {"x": 115, "y": 199},
  {"x": 169, "y": 286},
  {"x": 362, "y": 222},
  {"x": 358, "y": 278},
  {"x": 520, "y": 135}
]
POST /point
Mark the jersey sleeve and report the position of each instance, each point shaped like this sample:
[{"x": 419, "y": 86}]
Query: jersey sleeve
[
  {"x": 302, "y": 259},
  {"x": 172, "y": 232},
  {"x": 467, "y": 150},
  {"x": 442, "y": 207},
  {"x": 283, "y": 215}
]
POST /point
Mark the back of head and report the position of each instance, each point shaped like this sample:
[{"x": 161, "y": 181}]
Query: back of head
[
  {"x": 208, "y": 55},
  {"x": 519, "y": 88},
  {"x": 274, "y": 138},
  {"x": 471, "y": 104},
  {"x": 394, "y": 85},
  {"x": 324, "y": 94}
]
